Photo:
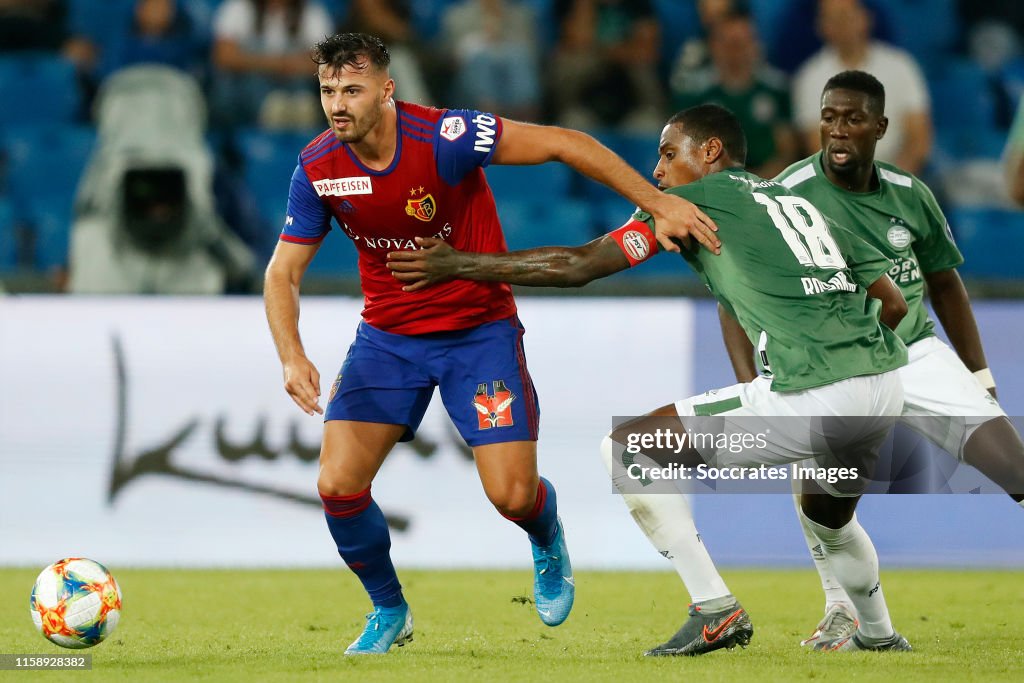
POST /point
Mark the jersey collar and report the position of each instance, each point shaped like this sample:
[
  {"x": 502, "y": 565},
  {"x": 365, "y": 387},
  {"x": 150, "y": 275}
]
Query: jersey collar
[{"x": 820, "y": 169}]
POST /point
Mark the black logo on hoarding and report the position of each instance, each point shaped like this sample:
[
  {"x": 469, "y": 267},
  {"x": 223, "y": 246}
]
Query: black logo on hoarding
[{"x": 158, "y": 459}]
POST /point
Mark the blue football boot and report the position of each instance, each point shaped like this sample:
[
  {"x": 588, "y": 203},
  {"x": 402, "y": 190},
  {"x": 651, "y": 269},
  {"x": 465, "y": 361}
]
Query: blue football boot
[
  {"x": 553, "y": 585},
  {"x": 385, "y": 626}
]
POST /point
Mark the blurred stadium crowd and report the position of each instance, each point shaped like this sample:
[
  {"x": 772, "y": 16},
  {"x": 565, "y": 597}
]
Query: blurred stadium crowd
[{"x": 146, "y": 145}]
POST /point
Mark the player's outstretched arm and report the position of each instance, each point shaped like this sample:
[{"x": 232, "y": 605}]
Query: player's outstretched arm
[
  {"x": 741, "y": 351},
  {"x": 437, "y": 261},
  {"x": 894, "y": 306},
  {"x": 281, "y": 299},
  {"x": 953, "y": 308},
  {"x": 528, "y": 144}
]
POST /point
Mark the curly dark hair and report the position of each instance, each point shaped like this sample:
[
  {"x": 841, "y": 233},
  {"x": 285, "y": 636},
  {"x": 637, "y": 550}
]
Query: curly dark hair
[
  {"x": 707, "y": 121},
  {"x": 352, "y": 50}
]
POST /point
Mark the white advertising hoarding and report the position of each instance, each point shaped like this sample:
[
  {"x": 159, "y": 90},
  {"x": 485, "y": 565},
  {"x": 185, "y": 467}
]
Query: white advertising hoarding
[{"x": 151, "y": 431}]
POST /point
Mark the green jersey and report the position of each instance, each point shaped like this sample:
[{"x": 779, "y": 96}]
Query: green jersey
[
  {"x": 794, "y": 280},
  {"x": 901, "y": 219}
]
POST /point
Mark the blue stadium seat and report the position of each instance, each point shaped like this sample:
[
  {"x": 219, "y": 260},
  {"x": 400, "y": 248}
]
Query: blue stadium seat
[
  {"x": 270, "y": 159},
  {"x": 928, "y": 29},
  {"x": 639, "y": 151},
  {"x": 973, "y": 143},
  {"x": 767, "y": 15},
  {"x": 544, "y": 222},
  {"x": 98, "y": 20},
  {"x": 991, "y": 241},
  {"x": 51, "y": 231},
  {"x": 549, "y": 180},
  {"x": 544, "y": 16},
  {"x": 42, "y": 188},
  {"x": 679, "y": 21},
  {"x": 46, "y": 160},
  {"x": 37, "y": 88},
  {"x": 426, "y": 17},
  {"x": 961, "y": 96},
  {"x": 8, "y": 236}
]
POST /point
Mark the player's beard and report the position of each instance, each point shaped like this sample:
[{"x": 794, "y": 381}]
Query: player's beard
[{"x": 359, "y": 127}]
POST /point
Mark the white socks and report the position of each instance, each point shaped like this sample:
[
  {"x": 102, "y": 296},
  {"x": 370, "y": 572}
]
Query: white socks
[
  {"x": 667, "y": 521},
  {"x": 834, "y": 592},
  {"x": 854, "y": 563}
]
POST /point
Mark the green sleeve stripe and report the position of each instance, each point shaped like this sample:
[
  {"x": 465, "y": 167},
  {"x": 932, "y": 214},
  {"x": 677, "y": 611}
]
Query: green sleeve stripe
[
  {"x": 896, "y": 178},
  {"x": 799, "y": 176},
  {"x": 716, "y": 407}
]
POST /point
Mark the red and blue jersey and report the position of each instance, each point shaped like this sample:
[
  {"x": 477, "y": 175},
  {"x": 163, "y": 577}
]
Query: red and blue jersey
[{"x": 434, "y": 187}]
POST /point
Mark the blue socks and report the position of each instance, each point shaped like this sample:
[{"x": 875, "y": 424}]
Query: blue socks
[
  {"x": 364, "y": 542},
  {"x": 542, "y": 522}
]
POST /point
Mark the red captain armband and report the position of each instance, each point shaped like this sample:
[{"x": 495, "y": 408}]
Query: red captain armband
[{"x": 636, "y": 240}]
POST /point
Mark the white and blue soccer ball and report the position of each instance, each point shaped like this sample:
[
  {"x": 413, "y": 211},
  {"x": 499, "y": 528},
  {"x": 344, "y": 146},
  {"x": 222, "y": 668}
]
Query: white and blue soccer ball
[{"x": 76, "y": 603}]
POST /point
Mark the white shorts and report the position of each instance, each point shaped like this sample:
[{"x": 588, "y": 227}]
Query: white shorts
[
  {"x": 943, "y": 401},
  {"x": 843, "y": 424}
]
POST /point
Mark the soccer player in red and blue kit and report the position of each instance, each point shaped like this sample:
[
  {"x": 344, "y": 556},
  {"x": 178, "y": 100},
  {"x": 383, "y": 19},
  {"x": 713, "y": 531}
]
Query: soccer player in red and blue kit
[{"x": 389, "y": 171}]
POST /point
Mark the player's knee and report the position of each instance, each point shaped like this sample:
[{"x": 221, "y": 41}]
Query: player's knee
[
  {"x": 336, "y": 482},
  {"x": 515, "y": 500}
]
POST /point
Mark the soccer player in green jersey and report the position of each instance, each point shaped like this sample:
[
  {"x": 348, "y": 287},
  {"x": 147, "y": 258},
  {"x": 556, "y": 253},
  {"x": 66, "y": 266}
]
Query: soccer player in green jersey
[
  {"x": 949, "y": 396},
  {"x": 800, "y": 286}
]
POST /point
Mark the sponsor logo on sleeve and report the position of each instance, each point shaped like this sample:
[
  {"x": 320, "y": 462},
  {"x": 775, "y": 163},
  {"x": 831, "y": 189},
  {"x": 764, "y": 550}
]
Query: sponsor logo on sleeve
[
  {"x": 339, "y": 187},
  {"x": 485, "y": 132},
  {"x": 452, "y": 128}
]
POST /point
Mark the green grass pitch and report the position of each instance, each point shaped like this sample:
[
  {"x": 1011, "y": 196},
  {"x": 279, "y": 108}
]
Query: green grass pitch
[{"x": 282, "y": 625}]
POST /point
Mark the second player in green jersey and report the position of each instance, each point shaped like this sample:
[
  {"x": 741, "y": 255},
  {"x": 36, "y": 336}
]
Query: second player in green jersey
[{"x": 804, "y": 291}]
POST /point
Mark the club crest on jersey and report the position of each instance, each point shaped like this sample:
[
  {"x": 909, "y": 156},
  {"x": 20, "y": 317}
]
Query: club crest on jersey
[
  {"x": 898, "y": 234},
  {"x": 493, "y": 410},
  {"x": 423, "y": 208}
]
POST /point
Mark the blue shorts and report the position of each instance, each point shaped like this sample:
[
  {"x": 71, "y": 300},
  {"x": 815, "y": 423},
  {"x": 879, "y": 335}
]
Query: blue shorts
[{"x": 481, "y": 371}]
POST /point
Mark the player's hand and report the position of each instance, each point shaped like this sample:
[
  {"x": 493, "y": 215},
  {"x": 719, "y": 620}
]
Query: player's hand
[
  {"x": 677, "y": 219},
  {"x": 435, "y": 261},
  {"x": 302, "y": 382}
]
